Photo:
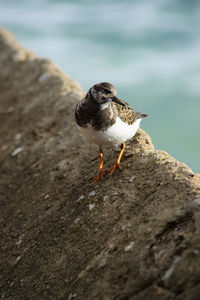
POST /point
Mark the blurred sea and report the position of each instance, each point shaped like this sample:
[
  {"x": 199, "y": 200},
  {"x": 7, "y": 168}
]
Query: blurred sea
[{"x": 149, "y": 49}]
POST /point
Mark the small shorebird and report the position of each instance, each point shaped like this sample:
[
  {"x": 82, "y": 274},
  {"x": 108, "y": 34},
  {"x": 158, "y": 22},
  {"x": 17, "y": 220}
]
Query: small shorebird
[{"x": 106, "y": 120}]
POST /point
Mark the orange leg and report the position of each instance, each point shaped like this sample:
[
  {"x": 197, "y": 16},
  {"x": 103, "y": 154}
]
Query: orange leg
[
  {"x": 101, "y": 171},
  {"x": 117, "y": 164}
]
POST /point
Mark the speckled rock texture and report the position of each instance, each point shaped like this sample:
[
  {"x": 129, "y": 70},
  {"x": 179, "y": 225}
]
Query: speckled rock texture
[{"x": 135, "y": 235}]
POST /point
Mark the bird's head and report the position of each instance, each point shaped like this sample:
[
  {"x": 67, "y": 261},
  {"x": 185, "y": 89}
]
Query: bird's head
[{"x": 104, "y": 93}]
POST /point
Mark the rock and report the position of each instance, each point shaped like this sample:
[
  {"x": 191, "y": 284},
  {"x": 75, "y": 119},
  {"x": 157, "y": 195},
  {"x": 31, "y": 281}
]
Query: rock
[
  {"x": 17, "y": 151},
  {"x": 139, "y": 239}
]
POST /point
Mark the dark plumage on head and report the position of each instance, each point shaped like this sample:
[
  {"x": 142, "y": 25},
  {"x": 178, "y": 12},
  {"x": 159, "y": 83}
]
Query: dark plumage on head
[{"x": 103, "y": 93}]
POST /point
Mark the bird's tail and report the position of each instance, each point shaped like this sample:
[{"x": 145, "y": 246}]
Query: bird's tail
[{"x": 143, "y": 116}]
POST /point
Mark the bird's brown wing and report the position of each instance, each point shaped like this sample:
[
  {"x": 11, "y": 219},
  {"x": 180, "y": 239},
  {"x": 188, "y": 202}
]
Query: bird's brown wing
[{"x": 126, "y": 113}]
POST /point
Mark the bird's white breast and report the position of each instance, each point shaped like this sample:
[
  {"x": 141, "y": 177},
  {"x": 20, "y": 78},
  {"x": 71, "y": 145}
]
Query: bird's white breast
[{"x": 114, "y": 135}]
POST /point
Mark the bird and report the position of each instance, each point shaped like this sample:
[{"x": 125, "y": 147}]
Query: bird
[{"x": 106, "y": 120}]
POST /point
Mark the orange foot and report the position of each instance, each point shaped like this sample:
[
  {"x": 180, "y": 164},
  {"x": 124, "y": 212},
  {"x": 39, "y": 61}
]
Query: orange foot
[
  {"x": 112, "y": 170},
  {"x": 98, "y": 177},
  {"x": 117, "y": 164}
]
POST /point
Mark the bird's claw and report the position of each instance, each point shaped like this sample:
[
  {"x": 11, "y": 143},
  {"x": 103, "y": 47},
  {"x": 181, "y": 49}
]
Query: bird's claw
[
  {"x": 112, "y": 170},
  {"x": 98, "y": 177}
]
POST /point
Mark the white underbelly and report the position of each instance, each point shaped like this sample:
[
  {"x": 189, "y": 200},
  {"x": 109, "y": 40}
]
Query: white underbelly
[{"x": 114, "y": 135}]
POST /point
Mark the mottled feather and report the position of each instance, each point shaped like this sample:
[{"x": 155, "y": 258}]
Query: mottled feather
[
  {"x": 90, "y": 111},
  {"x": 127, "y": 114}
]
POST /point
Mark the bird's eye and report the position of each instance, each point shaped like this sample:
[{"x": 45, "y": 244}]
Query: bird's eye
[{"x": 106, "y": 91}]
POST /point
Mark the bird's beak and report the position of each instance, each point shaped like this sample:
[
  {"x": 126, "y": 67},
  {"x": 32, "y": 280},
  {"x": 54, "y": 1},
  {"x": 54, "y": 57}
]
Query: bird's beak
[{"x": 116, "y": 100}]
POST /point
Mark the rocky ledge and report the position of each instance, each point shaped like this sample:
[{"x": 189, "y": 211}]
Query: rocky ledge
[{"x": 135, "y": 235}]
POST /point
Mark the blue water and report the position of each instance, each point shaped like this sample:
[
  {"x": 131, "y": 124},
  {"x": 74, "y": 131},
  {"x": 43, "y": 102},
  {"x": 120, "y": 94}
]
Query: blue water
[{"x": 149, "y": 49}]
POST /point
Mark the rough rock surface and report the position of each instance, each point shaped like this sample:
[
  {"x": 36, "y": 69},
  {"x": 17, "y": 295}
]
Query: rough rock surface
[{"x": 135, "y": 235}]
